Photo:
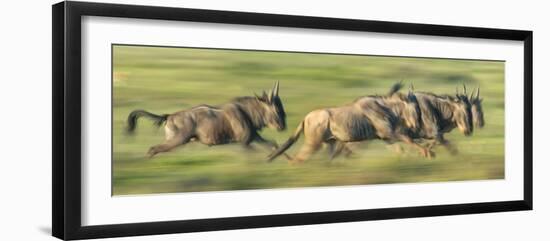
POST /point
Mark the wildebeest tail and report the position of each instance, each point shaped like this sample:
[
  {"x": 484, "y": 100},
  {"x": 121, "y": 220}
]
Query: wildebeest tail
[
  {"x": 132, "y": 119},
  {"x": 288, "y": 143}
]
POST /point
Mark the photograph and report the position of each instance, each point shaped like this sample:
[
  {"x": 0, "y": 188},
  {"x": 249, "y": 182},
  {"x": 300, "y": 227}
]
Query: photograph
[
  {"x": 173, "y": 118},
  {"x": 189, "y": 119}
]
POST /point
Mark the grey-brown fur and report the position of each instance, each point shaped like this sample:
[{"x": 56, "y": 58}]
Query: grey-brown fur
[
  {"x": 441, "y": 114},
  {"x": 236, "y": 121},
  {"x": 367, "y": 118}
]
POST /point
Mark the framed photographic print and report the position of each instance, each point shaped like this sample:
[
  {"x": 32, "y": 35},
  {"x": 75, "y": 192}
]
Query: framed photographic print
[{"x": 169, "y": 120}]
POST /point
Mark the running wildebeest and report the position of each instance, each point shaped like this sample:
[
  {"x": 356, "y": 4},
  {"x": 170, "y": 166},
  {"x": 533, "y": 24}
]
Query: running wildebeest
[
  {"x": 367, "y": 118},
  {"x": 236, "y": 121},
  {"x": 441, "y": 114}
]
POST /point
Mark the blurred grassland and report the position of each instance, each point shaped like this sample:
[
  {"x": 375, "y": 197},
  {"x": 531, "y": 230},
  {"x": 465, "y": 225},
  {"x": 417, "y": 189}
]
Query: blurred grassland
[{"x": 166, "y": 80}]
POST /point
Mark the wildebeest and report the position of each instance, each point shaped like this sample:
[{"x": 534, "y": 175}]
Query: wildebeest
[
  {"x": 440, "y": 115},
  {"x": 236, "y": 121},
  {"x": 367, "y": 118}
]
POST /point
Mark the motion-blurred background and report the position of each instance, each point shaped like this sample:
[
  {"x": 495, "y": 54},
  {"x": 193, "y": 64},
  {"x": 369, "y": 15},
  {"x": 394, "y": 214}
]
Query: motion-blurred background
[{"x": 165, "y": 80}]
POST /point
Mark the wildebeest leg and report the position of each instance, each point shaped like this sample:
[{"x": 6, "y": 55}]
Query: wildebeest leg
[
  {"x": 432, "y": 143},
  {"x": 306, "y": 150},
  {"x": 271, "y": 145},
  {"x": 315, "y": 133},
  {"x": 248, "y": 147},
  {"x": 349, "y": 146},
  {"x": 448, "y": 145},
  {"x": 331, "y": 146},
  {"x": 310, "y": 146},
  {"x": 176, "y": 132},
  {"x": 169, "y": 144},
  {"x": 336, "y": 148},
  {"x": 424, "y": 151},
  {"x": 348, "y": 151},
  {"x": 247, "y": 137},
  {"x": 396, "y": 147}
]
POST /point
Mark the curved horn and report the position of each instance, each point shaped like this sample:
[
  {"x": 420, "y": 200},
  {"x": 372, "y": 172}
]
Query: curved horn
[
  {"x": 270, "y": 96},
  {"x": 464, "y": 89},
  {"x": 477, "y": 95},
  {"x": 472, "y": 95},
  {"x": 276, "y": 89}
]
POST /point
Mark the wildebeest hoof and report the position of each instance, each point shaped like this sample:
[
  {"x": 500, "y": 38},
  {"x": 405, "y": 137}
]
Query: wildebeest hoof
[
  {"x": 431, "y": 154},
  {"x": 294, "y": 161},
  {"x": 152, "y": 151},
  {"x": 427, "y": 153}
]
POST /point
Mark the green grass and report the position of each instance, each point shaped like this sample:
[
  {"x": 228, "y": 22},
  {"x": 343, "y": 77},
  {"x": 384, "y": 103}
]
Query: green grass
[{"x": 166, "y": 80}]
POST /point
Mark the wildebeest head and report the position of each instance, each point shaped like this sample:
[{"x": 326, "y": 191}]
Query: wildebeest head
[
  {"x": 462, "y": 113},
  {"x": 275, "y": 116},
  {"x": 477, "y": 111}
]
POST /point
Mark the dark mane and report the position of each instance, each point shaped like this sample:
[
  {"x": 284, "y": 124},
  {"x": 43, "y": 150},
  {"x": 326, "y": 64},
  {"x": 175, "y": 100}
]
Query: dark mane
[
  {"x": 206, "y": 106},
  {"x": 444, "y": 96},
  {"x": 252, "y": 108},
  {"x": 376, "y": 96},
  {"x": 401, "y": 96},
  {"x": 243, "y": 99}
]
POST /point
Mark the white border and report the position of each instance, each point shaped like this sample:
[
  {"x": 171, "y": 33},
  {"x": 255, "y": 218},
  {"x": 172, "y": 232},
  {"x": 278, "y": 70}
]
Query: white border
[{"x": 100, "y": 208}]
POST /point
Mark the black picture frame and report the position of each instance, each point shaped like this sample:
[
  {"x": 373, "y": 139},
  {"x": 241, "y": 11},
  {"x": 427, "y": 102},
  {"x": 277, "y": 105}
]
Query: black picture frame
[{"x": 66, "y": 75}]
